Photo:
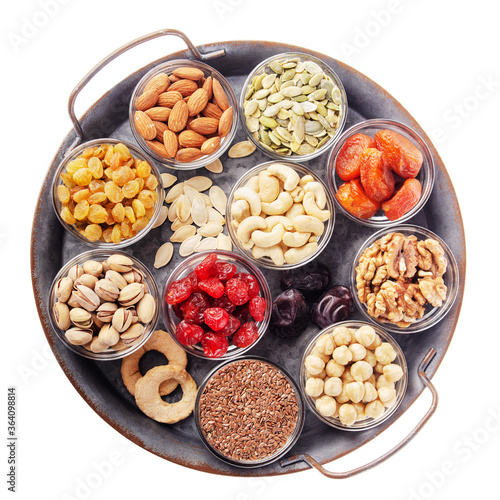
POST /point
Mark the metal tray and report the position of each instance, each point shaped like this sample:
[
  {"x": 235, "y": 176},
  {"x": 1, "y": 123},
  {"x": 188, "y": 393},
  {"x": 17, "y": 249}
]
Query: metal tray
[{"x": 100, "y": 384}]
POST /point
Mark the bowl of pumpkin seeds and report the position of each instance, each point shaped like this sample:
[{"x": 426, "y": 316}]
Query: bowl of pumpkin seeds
[{"x": 293, "y": 105}]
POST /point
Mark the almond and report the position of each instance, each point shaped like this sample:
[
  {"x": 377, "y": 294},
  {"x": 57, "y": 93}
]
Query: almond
[
  {"x": 178, "y": 117},
  {"x": 144, "y": 125},
  {"x": 168, "y": 99},
  {"x": 158, "y": 83},
  {"x": 158, "y": 148},
  {"x": 188, "y": 73},
  {"x": 170, "y": 143},
  {"x": 212, "y": 111},
  {"x": 225, "y": 122},
  {"x": 205, "y": 126},
  {"x": 158, "y": 113},
  {"x": 197, "y": 101},
  {"x": 211, "y": 145},
  {"x": 207, "y": 85},
  {"x": 191, "y": 139},
  {"x": 220, "y": 97},
  {"x": 187, "y": 155},
  {"x": 146, "y": 100},
  {"x": 160, "y": 128},
  {"x": 185, "y": 87}
]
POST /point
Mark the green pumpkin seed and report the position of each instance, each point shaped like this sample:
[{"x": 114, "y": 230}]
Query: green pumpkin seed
[
  {"x": 268, "y": 122},
  {"x": 276, "y": 67},
  {"x": 275, "y": 97},
  {"x": 268, "y": 81}
]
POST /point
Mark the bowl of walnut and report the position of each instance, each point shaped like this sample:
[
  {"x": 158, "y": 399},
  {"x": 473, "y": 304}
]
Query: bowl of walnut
[{"x": 404, "y": 278}]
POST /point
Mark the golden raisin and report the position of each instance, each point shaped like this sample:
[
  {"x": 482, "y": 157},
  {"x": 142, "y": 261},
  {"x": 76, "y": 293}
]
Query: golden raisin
[
  {"x": 95, "y": 167},
  {"x": 97, "y": 214},
  {"x": 68, "y": 180},
  {"x": 80, "y": 195},
  {"x": 82, "y": 177},
  {"x": 81, "y": 210},
  {"x": 116, "y": 161},
  {"x": 139, "y": 209},
  {"x": 130, "y": 214},
  {"x": 67, "y": 216},
  {"x": 118, "y": 212},
  {"x": 93, "y": 232},
  {"x": 109, "y": 153},
  {"x": 106, "y": 234},
  {"x": 116, "y": 234},
  {"x": 63, "y": 193},
  {"x": 131, "y": 189},
  {"x": 151, "y": 182},
  {"x": 113, "y": 192},
  {"x": 88, "y": 152},
  {"x": 97, "y": 186},
  {"x": 97, "y": 198},
  {"x": 123, "y": 151},
  {"x": 140, "y": 224},
  {"x": 122, "y": 175},
  {"x": 147, "y": 198},
  {"x": 126, "y": 228},
  {"x": 143, "y": 169},
  {"x": 75, "y": 165}
]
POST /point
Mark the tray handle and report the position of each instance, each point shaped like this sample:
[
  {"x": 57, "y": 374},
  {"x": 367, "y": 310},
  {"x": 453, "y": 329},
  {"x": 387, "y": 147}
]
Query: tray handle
[
  {"x": 303, "y": 457},
  {"x": 145, "y": 38}
]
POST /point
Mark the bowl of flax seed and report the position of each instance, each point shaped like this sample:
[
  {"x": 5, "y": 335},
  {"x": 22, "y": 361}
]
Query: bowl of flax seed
[{"x": 249, "y": 412}]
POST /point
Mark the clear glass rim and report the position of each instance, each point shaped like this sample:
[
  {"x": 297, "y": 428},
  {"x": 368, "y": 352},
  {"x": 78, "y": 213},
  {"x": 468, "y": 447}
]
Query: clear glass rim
[
  {"x": 181, "y": 271},
  {"x": 57, "y": 182},
  {"x": 437, "y": 313},
  {"x": 106, "y": 355},
  {"x": 344, "y": 107},
  {"x": 381, "y": 221},
  {"x": 225, "y": 143},
  {"x": 324, "y": 239},
  {"x": 291, "y": 441},
  {"x": 401, "y": 385}
]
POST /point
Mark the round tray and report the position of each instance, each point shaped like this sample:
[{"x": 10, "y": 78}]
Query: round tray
[{"x": 100, "y": 384}]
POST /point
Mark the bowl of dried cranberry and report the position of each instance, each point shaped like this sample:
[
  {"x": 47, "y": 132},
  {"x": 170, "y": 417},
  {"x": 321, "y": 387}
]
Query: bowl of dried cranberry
[
  {"x": 216, "y": 305},
  {"x": 381, "y": 173}
]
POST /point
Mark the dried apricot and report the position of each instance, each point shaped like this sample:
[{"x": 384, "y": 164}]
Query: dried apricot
[
  {"x": 376, "y": 175},
  {"x": 352, "y": 197},
  {"x": 348, "y": 159},
  {"x": 404, "y": 200},
  {"x": 401, "y": 154}
]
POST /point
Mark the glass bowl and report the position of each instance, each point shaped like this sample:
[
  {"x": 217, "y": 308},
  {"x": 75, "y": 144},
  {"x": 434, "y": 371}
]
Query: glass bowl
[
  {"x": 187, "y": 266},
  {"x": 426, "y": 174},
  {"x": 76, "y": 231},
  {"x": 75, "y": 267},
  {"x": 265, "y": 261},
  {"x": 239, "y": 376},
  {"x": 337, "y": 106},
  {"x": 432, "y": 314},
  {"x": 367, "y": 422},
  {"x": 156, "y": 153}
]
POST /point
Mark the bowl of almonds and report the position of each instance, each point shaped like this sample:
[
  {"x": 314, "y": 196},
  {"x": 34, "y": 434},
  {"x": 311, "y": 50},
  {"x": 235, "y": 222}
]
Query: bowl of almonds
[
  {"x": 293, "y": 105},
  {"x": 103, "y": 305},
  {"x": 184, "y": 114}
]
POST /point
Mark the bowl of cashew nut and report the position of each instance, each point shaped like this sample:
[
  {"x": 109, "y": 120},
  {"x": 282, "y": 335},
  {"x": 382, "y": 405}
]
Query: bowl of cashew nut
[{"x": 280, "y": 215}]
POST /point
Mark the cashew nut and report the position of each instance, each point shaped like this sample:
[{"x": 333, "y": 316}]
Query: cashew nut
[
  {"x": 294, "y": 210},
  {"x": 240, "y": 210},
  {"x": 248, "y": 225},
  {"x": 319, "y": 193},
  {"x": 296, "y": 255},
  {"x": 250, "y": 196},
  {"x": 306, "y": 179},
  {"x": 287, "y": 174},
  {"x": 275, "y": 253},
  {"x": 295, "y": 239},
  {"x": 312, "y": 209},
  {"x": 268, "y": 239},
  {"x": 278, "y": 206},
  {"x": 253, "y": 183},
  {"x": 272, "y": 220},
  {"x": 308, "y": 224},
  {"x": 269, "y": 186},
  {"x": 297, "y": 194}
]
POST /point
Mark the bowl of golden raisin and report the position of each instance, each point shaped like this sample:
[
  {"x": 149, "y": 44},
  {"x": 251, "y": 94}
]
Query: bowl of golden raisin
[{"x": 107, "y": 193}]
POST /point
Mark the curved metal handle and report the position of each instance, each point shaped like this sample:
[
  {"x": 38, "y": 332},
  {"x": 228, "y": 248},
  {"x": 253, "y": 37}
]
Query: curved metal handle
[
  {"x": 341, "y": 475},
  {"x": 71, "y": 103}
]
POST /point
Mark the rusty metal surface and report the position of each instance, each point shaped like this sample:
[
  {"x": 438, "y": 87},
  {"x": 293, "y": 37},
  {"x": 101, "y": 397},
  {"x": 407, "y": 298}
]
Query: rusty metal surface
[{"x": 99, "y": 383}]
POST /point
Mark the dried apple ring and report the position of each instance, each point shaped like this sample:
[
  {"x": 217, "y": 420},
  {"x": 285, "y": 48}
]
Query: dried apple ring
[
  {"x": 148, "y": 399},
  {"x": 159, "y": 341}
]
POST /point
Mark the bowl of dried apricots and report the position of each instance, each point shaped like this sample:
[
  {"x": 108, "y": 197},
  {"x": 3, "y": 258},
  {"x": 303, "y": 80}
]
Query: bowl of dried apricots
[
  {"x": 107, "y": 193},
  {"x": 381, "y": 172}
]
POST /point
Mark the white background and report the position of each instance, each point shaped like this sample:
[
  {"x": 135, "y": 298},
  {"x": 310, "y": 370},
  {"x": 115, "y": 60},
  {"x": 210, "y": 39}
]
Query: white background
[{"x": 439, "y": 59}]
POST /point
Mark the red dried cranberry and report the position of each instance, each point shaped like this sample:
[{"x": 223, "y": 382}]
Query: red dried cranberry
[
  {"x": 204, "y": 268},
  {"x": 223, "y": 302},
  {"x": 193, "y": 278},
  {"x": 192, "y": 308},
  {"x": 213, "y": 286},
  {"x": 188, "y": 334},
  {"x": 251, "y": 282},
  {"x": 243, "y": 314},
  {"x": 214, "y": 345},
  {"x": 257, "y": 307},
  {"x": 224, "y": 270},
  {"x": 237, "y": 291},
  {"x": 232, "y": 325},
  {"x": 246, "y": 335},
  {"x": 179, "y": 291},
  {"x": 215, "y": 318}
]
